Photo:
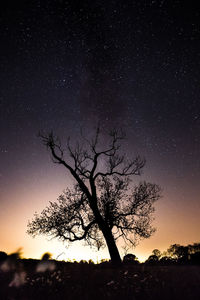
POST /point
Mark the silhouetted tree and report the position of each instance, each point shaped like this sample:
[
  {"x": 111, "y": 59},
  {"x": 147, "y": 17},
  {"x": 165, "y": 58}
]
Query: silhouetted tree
[
  {"x": 157, "y": 253},
  {"x": 130, "y": 259},
  {"x": 194, "y": 253},
  {"x": 185, "y": 254},
  {"x": 179, "y": 252},
  {"x": 166, "y": 260},
  {"x": 101, "y": 208},
  {"x": 154, "y": 257},
  {"x": 152, "y": 260},
  {"x": 194, "y": 248}
]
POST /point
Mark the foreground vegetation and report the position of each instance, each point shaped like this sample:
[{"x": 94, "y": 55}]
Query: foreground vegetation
[
  {"x": 88, "y": 281},
  {"x": 48, "y": 279}
]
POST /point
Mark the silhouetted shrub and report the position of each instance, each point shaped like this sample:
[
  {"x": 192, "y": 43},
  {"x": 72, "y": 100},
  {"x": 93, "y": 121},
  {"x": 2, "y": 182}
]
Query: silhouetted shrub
[
  {"x": 90, "y": 261},
  {"x": 130, "y": 258},
  {"x": 152, "y": 260},
  {"x": 3, "y": 256},
  {"x": 83, "y": 262},
  {"x": 11, "y": 261},
  {"x": 46, "y": 256}
]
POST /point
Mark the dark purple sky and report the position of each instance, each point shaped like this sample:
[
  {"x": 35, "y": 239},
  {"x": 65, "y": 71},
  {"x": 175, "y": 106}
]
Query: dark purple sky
[{"x": 130, "y": 64}]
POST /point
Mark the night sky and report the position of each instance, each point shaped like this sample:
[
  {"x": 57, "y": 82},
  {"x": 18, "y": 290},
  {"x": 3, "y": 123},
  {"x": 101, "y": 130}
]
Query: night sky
[{"x": 67, "y": 65}]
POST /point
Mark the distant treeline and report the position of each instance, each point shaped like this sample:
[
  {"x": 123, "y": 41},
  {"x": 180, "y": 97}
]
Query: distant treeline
[{"x": 175, "y": 254}]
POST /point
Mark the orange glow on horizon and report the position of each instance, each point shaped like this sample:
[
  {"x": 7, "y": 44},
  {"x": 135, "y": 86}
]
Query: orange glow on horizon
[{"x": 176, "y": 222}]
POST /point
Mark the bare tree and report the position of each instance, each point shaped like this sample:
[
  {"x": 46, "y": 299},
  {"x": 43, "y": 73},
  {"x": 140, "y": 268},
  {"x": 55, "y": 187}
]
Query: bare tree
[{"x": 102, "y": 207}]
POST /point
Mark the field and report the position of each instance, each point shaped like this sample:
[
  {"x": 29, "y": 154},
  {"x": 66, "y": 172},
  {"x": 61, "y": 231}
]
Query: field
[{"x": 88, "y": 281}]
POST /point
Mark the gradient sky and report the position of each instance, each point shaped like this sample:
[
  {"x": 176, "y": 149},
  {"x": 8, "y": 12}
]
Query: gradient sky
[{"x": 66, "y": 65}]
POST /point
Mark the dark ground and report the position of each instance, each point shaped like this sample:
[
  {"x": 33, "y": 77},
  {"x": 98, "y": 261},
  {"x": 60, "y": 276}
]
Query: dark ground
[{"x": 88, "y": 281}]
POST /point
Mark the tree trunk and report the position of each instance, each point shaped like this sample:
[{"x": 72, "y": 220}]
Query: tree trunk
[
  {"x": 111, "y": 244},
  {"x": 107, "y": 233}
]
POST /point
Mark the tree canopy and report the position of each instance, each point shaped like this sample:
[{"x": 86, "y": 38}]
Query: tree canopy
[{"x": 103, "y": 205}]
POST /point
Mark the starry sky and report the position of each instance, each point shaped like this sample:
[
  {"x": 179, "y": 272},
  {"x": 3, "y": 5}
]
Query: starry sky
[{"x": 67, "y": 65}]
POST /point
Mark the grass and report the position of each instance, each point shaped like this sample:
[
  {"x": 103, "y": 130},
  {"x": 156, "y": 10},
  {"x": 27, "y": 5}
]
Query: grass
[{"x": 89, "y": 281}]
